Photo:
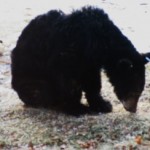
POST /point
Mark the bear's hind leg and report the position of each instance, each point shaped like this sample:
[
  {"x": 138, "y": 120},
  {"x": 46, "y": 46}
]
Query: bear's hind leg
[{"x": 33, "y": 92}]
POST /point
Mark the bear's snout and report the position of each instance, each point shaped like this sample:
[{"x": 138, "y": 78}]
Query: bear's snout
[{"x": 130, "y": 105}]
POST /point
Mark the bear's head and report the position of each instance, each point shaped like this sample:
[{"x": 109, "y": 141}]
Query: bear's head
[{"x": 128, "y": 79}]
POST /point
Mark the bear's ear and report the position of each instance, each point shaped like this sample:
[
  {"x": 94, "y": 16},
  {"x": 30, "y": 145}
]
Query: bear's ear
[
  {"x": 124, "y": 64},
  {"x": 146, "y": 57}
]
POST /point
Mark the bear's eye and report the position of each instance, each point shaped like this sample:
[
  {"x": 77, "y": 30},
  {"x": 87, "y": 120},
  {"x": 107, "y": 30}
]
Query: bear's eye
[{"x": 125, "y": 64}]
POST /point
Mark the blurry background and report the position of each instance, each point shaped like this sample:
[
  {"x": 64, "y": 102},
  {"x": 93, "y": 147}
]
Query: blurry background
[{"x": 131, "y": 16}]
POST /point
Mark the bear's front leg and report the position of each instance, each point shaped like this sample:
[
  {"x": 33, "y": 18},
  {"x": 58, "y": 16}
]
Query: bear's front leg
[{"x": 92, "y": 86}]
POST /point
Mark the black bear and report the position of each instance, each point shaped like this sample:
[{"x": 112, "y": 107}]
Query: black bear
[{"x": 58, "y": 56}]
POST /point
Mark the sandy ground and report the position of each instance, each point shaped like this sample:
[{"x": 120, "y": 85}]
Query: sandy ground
[{"x": 26, "y": 128}]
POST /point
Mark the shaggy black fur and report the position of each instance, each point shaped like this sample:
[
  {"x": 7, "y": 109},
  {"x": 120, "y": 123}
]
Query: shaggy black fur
[{"x": 58, "y": 56}]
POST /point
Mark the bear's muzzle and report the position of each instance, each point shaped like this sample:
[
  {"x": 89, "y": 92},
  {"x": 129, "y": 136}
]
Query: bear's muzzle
[{"x": 130, "y": 105}]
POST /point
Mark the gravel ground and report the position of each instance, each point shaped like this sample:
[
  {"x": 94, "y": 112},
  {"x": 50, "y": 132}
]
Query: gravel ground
[{"x": 28, "y": 128}]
